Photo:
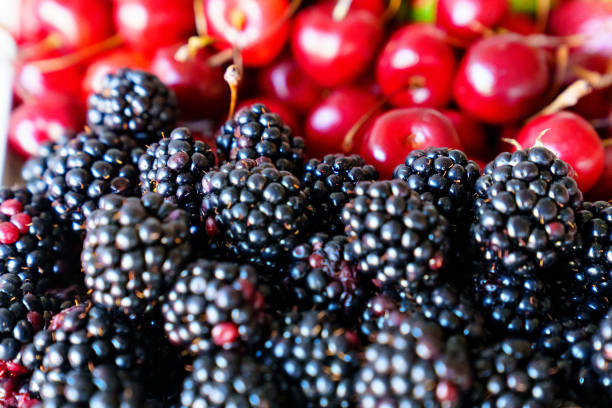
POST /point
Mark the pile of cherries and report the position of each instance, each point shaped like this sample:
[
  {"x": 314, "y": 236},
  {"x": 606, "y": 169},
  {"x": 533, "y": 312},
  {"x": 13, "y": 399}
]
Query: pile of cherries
[{"x": 375, "y": 77}]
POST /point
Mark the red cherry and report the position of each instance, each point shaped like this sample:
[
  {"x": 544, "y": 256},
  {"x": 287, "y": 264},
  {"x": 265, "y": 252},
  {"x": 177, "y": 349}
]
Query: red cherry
[
  {"x": 602, "y": 190},
  {"x": 149, "y": 24},
  {"x": 222, "y": 333},
  {"x": 199, "y": 88},
  {"x": 256, "y": 27},
  {"x": 376, "y": 7},
  {"x": 471, "y": 134},
  {"x": 501, "y": 78},
  {"x": 108, "y": 63},
  {"x": 11, "y": 207},
  {"x": 334, "y": 52},
  {"x": 397, "y": 132},
  {"x": 20, "y": 20},
  {"x": 328, "y": 123},
  {"x": 519, "y": 23},
  {"x": 285, "y": 81},
  {"x": 468, "y": 19},
  {"x": 596, "y": 104},
  {"x": 22, "y": 221},
  {"x": 277, "y": 106},
  {"x": 9, "y": 233},
  {"x": 573, "y": 139},
  {"x": 416, "y": 67}
]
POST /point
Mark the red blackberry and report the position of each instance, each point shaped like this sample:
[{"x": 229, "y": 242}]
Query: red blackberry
[
  {"x": 133, "y": 249},
  {"x": 255, "y": 132},
  {"x": 135, "y": 103},
  {"x": 331, "y": 182},
  {"x": 215, "y": 305}
]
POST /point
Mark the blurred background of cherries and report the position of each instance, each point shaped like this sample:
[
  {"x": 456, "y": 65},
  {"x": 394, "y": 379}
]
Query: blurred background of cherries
[{"x": 378, "y": 77}]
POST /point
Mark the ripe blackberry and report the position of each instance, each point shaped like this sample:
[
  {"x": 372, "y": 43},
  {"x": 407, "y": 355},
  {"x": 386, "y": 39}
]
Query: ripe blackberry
[
  {"x": 398, "y": 238},
  {"x": 413, "y": 364},
  {"x": 214, "y": 304},
  {"x": 88, "y": 358},
  {"x": 256, "y": 132},
  {"x": 133, "y": 250},
  {"x": 76, "y": 174},
  {"x": 601, "y": 359},
  {"x": 259, "y": 212},
  {"x": 134, "y": 103},
  {"x": 525, "y": 210},
  {"x": 232, "y": 379},
  {"x": 317, "y": 355},
  {"x": 331, "y": 182}
]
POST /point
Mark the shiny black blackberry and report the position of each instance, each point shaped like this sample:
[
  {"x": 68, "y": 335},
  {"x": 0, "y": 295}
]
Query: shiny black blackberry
[
  {"x": 525, "y": 210},
  {"x": 413, "y": 365},
  {"x": 256, "y": 132},
  {"x": 317, "y": 355},
  {"x": 331, "y": 182},
  {"x": 133, "y": 250},
  {"x": 601, "y": 344},
  {"x": 76, "y": 174},
  {"x": 216, "y": 305},
  {"x": 232, "y": 379},
  {"x": 398, "y": 238},
  {"x": 135, "y": 103},
  {"x": 257, "y": 211}
]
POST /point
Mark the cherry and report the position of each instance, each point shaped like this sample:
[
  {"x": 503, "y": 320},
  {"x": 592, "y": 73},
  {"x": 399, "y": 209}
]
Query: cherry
[
  {"x": 108, "y": 63},
  {"x": 42, "y": 120},
  {"x": 468, "y": 19},
  {"x": 20, "y": 20},
  {"x": 471, "y": 134},
  {"x": 501, "y": 78},
  {"x": 149, "y": 24},
  {"x": 596, "y": 104},
  {"x": 376, "y": 7},
  {"x": 602, "y": 189},
  {"x": 334, "y": 52},
  {"x": 573, "y": 139},
  {"x": 285, "y": 81},
  {"x": 416, "y": 67},
  {"x": 396, "y": 133},
  {"x": 328, "y": 123},
  {"x": 519, "y": 23},
  {"x": 199, "y": 87},
  {"x": 259, "y": 28},
  {"x": 285, "y": 112}
]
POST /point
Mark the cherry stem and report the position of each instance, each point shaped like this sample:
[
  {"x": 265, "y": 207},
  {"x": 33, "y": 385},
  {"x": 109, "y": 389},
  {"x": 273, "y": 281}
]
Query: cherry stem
[
  {"x": 513, "y": 142},
  {"x": 190, "y": 50},
  {"x": 542, "y": 12},
  {"x": 392, "y": 9},
  {"x": 200, "y": 18},
  {"x": 52, "y": 41},
  {"x": 233, "y": 76},
  {"x": 561, "y": 65},
  {"x": 349, "y": 139},
  {"x": 220, "y": 58},
  {"x": 538, "y": 141},
  {"x": 341, "y": 9},
  {"x": 607, "y": 142}
]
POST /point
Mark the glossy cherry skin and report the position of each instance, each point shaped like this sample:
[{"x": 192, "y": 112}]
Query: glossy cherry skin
[
  {"x": 471, "y": 134},
  {"x": 519, "y": 23},
  {"x": 328, "y": 123},
  {"x": 21, "y": 20},
  {"x": 257, "y": 27},
  {"x": 467, "y": 19},
  {"x": 573, "y": 139},
  {"x": 285, "y": 112},
  {"x": 199, "y": 88},
  {"x": 416, "y": 67},
  {"x": 110, "y": 62},
  {"x": 501, "y": 79},
  {"x": 602, "y": 189},
  {"x": 396, "y": 133},
  {"x": 285, "y": 81},
  {"x": 597, "y": 104},
  {"x": 46, "y": 119},
  {"x": 149, "y": 24},
  {"x": 334, "y": 53}
]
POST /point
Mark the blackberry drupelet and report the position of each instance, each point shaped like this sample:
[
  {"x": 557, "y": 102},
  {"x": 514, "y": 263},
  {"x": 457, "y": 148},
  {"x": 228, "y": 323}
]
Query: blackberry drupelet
[
  {"x": 601, "y": 360},
  {"x": 135, "y": 103},
  {"x": 398, "y": 238},
  {"x": 331, "y": 182},
  {"x": 133, "y": 250},
  {"x": 525, "y": 210},
  {"x": 216, "y": 305},
  {"x": 76, "y": 174},
  {"x": 256, "y": 132},
  {"x": 317, "y": 355},
  {"x": 412, "y": 364},
  {"x": 255, "y": 210}
]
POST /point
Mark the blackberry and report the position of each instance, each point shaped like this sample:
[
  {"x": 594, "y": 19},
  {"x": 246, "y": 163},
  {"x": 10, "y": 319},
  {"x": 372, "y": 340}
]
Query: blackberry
[
  {"x": 76, "y": 174},
  {"x": 256, "y": 132},
  {"x": 317, "y": 355},
  {"x": 601, "y": 360},
  {"x": 232, "y": 379},
  {"x": 216, "y": 305},
  {"x": 525, "y": 210},
  {"x": 331, "y": 182},
  {"x": 259, "y": 212},
  {"x": 413, "y": 364},
  {"x": 398, "y": 238},
  {"x": 135, "y": 103},
  {"x": 133, "y": 249}
]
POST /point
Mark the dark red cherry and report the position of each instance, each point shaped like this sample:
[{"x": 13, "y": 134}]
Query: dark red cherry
[
  {"x": 501, "y": 78},
  {"x": 519, "y": 23},
  {"x": 602, "y": 189},
  {"x": 149, "y": 24},
  {"x": 597, "y": 104},
  {"x": 334, "y": 52},
  {"x": 199, "y": 87},
  {"x": 274, "y": 105},
  {"x": 259, "y": 28},
  {"x": 573, "y": 139},
  {"x": 471, "y": 134},
  {"x": 328, "y": 123},
  {"x": 416, "y": 67},
  {"x": 110, "y": 62},
  {"x": 469, "y": 19},
  {"x": 376, "y": 7},
  {"x": 396, "y": 133}
]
